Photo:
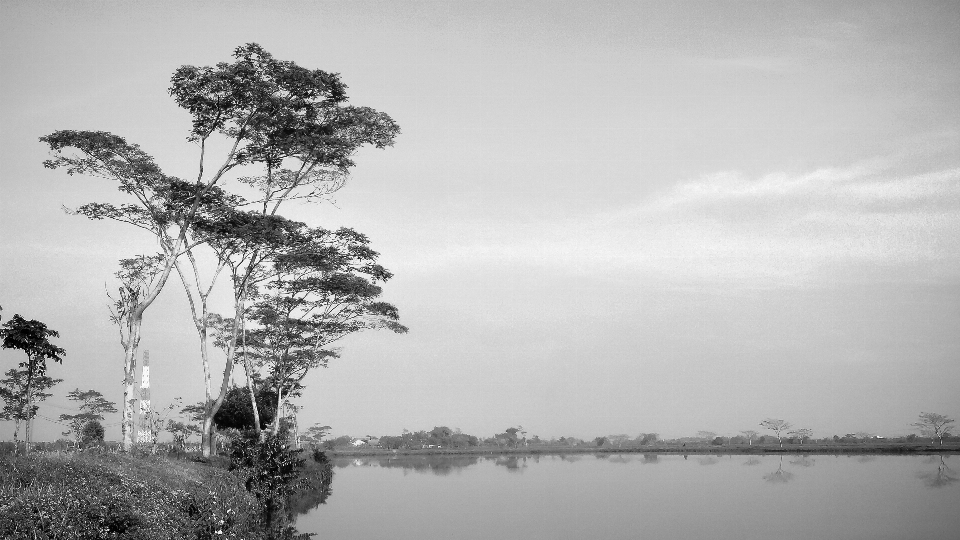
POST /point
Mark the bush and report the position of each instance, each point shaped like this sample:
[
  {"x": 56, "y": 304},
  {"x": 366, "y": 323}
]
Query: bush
[{"x": 92, "y": 433}]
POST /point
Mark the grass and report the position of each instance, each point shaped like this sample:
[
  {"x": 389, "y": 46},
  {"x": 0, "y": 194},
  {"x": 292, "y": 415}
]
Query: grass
[{"x": 93, "y": 495}]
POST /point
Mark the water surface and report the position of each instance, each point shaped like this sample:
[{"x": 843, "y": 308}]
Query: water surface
[{"x": 641, "y": 496}]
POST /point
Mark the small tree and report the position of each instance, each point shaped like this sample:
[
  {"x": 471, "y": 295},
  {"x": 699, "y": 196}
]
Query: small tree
[
  {"x": 778, "y": 426},
  {"x": 31, "y": 337},
  {"x": 315, "y": 434},
  {"x": 801, "y": 434},
  {"x": 92, "y": 407},
  {"x": 750, "y": 435},
  {"x": 934, "y": 425},
  {"x": 13, "y": 392}
]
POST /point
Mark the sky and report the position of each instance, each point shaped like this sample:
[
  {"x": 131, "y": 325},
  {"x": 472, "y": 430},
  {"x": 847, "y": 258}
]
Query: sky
[{"x": 602, "y": 217}]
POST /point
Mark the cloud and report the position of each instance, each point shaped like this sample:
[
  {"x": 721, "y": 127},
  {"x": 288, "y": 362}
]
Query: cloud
[{"x": 774, "y": 230}]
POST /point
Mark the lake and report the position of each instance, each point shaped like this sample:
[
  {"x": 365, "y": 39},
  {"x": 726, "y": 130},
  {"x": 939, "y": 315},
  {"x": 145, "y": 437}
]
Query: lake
[{"x": 641, "y": 496}]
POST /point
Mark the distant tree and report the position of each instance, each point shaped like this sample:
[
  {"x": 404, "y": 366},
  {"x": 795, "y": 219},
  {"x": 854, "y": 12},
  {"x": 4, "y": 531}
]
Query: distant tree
[
  {"x": 13, "y": 393},
  {"x": 618, "y": 439},
  {"x": 750, "y": 435},
  {"x": 719, "y": 441},
  {"x": 155, "y": 422},
  {"x": 777, "y": 426},
  {"x": 934, "y": 425},
  {"x": 31, "y": 337},
  {"x": 92, "y": 406},
  {"x": 801, "y": 434},
  {"x": 600, "y": 441},
  {"x": 314, "y": 435},
  {"x": 181, "y": 432},
  {"x": 706, "y": 435},
  {"x": 648, "y": 438}
]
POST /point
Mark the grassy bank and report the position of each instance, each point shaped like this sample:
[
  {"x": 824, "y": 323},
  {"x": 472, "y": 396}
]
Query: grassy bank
[
  {"x": 862, "y": 448},
  {"x": 91, "y": 495}
]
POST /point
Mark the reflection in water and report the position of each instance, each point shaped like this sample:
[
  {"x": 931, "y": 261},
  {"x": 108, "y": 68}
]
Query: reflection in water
[
  {"x": 578, "y": 496},
  {"x": 779, "y": 476},
  {"x": 943, "y": 476},
  {"x": 866, "y": 459},
  {"x": 803, "y": 461},
  {"x": 512, "y": 463}
]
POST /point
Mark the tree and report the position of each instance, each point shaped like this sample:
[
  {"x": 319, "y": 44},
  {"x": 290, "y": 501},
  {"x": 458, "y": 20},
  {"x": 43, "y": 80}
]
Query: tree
[
  {"x": 181, "y": 432},
  {"x": 236, "y": 411},
  {"x": 778, "y": 426},
  {"x": 934, "y": 425},
  {"x": 92, "y": 432},
  {"x": 137, "y": 278},
  {"x": 13, "y": 392},
  {"x": 600, "y": 441},
  {"x": 92, "y": 407},
  {"x": 801, "y": 434},
  {"x": 750, "y": 435},
  {"x": 706, "y": 435},
  {"x": 271, "y": 113},
  {"x": 648, "y": 438},
  {"x": 31, "y": 337},
  {"x": 315, "y": 434},
  {"x": 325, "y": 287},
  {"x": 618, "y": 439}
]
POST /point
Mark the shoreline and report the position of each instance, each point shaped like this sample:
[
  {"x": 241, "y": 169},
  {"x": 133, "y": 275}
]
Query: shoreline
[{"x": 853, "y": 449}]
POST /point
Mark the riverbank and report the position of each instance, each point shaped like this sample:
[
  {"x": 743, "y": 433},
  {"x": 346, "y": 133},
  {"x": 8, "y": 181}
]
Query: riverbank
[
  {"x": 83, "y": 495},
  {"x": 831, "y": 449}
]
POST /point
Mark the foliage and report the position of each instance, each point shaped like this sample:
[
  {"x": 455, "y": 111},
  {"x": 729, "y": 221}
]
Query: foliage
[
  {"x": 236, "y": 411},
  {"x": 80, "y": 496},
  {"x": 13, "y": 392},
  {"x": 934, "y": 425},
  {"x": 92, "y": 407},
  {"x": 776, "y": 425},
  {"x": 24, "y": 386},
  {"x": 92, "y": 432}
]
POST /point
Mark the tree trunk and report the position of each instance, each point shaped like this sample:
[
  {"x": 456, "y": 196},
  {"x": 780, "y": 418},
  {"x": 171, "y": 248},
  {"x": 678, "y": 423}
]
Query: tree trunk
[
  {"x": 27, "y": 399},
  {"x": 16, "y": 436},
  {"x": 129, "y": 369},
  {"x": 209, "y": 442}
]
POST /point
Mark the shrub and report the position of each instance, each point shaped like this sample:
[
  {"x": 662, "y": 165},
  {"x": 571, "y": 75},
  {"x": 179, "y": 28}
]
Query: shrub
[{"x": 91, "y": 433}]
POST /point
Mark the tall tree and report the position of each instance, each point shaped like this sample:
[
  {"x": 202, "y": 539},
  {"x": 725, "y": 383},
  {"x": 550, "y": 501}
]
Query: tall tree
[
  {"x": 33, "y": 338},
  {"x": 777, "y": 426},
  {"x": 138, "y": 280},
  {"x": 324, "y": 288},
  {"x": 934, "y": 425},
  {"x": 750, "y": 435},
  {"x": 272, "y": 114},
  {"x": 13, "y": 392},
  {"x": 92, "y": 407}
]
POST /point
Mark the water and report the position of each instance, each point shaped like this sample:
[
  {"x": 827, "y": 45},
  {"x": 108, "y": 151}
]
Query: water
[{"x": 641, "y": 496}]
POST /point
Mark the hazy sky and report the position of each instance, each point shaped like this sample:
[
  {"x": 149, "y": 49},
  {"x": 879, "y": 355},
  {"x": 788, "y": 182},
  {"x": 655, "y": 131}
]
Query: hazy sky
[{"x": 603, "y": 217}]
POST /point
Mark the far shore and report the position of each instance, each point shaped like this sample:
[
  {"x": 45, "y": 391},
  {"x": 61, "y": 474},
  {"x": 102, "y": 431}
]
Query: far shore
[{"x": 854, "y": 449}]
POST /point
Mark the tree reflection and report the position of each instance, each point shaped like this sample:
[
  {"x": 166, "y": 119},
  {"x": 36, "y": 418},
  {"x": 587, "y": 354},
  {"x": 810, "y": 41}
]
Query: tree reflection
[
  {"x": 513, "y": 464},
  {"x": 709, "y": 460},
  {"x": 943, "y": 476},
  {"x": 436, "y": 465},
  {"x": 779, "y": 476},
  {"x": 651, "y": 458},
  {"x": 803, "y": 461},
  {"x": 753, "y": 461}
]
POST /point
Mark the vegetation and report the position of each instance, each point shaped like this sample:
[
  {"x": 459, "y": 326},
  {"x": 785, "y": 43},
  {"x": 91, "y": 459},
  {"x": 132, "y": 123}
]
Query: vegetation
[{"x": 25, "y": 386}]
